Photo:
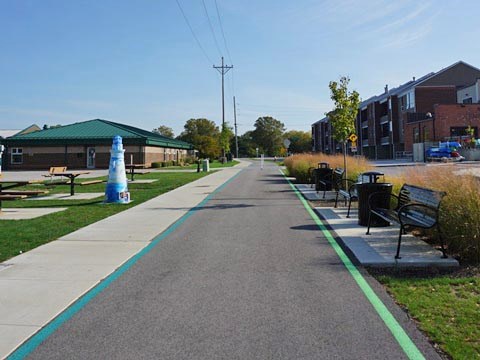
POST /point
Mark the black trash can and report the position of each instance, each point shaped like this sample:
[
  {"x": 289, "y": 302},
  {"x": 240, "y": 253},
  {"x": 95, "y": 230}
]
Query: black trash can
[
  {"x": 368, "y": 186},
  {"x": 323, "y": 172}
]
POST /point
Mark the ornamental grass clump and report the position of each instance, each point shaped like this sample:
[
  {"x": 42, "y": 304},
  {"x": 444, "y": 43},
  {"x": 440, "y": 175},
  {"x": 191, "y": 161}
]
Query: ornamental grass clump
[
  {"x": 459, "y": 210},
  {"x": 299, "y": 165}
]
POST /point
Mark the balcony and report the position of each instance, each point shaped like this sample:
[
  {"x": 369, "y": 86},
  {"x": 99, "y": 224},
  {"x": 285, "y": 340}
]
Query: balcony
[
  {"x": 419, "y": 117},
  {"x": 364, "y": 142},
  {"x": 385, "y": 140},
  {"x": 364, "y": 124},
  {"x": 383, "y": 119}
]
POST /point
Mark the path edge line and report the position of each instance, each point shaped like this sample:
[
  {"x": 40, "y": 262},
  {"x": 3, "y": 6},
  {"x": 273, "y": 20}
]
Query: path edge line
[
  {"x": 407, "y": 344},
  {"x": 29, "y": 345}
]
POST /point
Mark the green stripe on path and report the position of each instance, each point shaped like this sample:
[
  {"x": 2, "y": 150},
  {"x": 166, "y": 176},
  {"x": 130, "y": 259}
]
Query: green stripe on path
[{"x": 396, "y": 329}]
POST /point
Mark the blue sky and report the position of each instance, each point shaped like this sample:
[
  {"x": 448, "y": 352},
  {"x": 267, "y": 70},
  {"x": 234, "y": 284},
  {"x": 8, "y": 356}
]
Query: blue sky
[{"x": 136, "y": 62}]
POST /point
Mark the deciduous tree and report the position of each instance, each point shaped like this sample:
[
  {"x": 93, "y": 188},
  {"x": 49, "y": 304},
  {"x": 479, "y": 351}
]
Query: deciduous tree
[
  {"x": 164, "y": 131},
  {"x": 268, "y": 135},
  {"x": 342, "y": 117},
  {"x": 204, "y": 135}
]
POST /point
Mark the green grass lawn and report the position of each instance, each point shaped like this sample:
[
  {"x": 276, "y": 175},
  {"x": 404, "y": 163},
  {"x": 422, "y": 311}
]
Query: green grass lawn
[
  {"x": 447, "y": 309},
  {"x": 213, "y": 165},
  {"x": 22, "y": 235}
]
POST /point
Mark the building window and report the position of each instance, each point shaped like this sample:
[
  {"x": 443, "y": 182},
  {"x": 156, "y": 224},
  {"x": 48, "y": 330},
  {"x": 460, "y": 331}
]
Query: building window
[
  {"x": 468, "y": 100},
  {"x": 17, "y": 156},
  {"x": 385, "y": 128},
  {"x": 416, "y": 135},
  {"x": 364, "y": 133},
  {"x": 410, "y": 100}
]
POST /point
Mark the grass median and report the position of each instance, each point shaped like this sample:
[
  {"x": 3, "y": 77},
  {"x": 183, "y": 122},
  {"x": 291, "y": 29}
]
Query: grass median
[
  {"x": 18, "y": 236},
  {"x": 446, "y": 308}
]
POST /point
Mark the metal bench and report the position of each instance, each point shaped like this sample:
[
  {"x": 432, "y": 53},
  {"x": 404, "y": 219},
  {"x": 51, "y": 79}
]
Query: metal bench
[
  {"x": 416, "y": 207},
  {"x": 333, "y": 180},
  {"x": 346, "y": 188}
]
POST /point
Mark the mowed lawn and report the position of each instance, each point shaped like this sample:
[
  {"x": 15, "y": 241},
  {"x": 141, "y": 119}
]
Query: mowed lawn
[
  {"x": 446, "y": 308},
  {"x": 18, "y": 236}
]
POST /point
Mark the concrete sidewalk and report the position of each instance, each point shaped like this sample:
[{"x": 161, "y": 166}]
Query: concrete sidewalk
[{"x": 37, "y": 286}]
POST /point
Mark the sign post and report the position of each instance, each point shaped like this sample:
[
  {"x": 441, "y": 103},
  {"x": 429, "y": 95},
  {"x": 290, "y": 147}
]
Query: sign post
[{"x": 287, "y": 144}]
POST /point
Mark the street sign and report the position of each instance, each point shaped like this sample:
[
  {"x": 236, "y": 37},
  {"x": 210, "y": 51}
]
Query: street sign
[
  {"x": 353, "y": 148},
  {"x": 353, "y": 138},
  {"x": 287, "y": 143}
]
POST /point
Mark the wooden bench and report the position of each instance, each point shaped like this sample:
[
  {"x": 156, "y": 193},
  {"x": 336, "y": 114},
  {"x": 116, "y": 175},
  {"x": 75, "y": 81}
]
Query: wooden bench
[
  {"x": 332, "y": 181},
  {"x": 416, "y": 207},
  {"x": 91, "y": 182},
  {"x": 24, "y": 192},
  {"x": 55, "y": 170}
]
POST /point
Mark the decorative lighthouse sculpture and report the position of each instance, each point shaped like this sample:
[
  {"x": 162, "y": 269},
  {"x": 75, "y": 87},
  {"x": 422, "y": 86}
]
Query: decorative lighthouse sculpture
[{"x": 117, "y": 189}]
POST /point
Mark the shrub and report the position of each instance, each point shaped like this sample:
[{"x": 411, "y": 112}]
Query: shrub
[
  {"x": 298, "y": 165},
  {"x": 156, "y": 164}
]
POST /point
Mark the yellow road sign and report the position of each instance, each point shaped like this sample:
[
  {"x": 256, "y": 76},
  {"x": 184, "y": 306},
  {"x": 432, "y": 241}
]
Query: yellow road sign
[{"x": 353, "y": 137}]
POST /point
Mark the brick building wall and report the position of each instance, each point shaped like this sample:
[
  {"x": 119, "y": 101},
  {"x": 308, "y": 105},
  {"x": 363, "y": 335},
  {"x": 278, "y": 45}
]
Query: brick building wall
[
  {"x": 426, "y": 97},
  {"x": 447, "y": 116},
  {"x": 459, "y": 115}
]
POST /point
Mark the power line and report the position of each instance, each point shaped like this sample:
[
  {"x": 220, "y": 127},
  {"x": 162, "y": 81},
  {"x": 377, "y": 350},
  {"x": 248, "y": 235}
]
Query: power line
[
  {"x": 211, "y": 28},
  {"x": 193, "y": 33},
  {"x": 223, "y": 33}
]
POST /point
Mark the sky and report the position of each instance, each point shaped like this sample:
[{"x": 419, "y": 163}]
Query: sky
[{"x": 148, "y": 63}]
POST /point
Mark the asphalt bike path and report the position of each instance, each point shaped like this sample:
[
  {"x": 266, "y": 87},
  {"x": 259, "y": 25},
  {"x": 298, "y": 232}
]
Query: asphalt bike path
[{"x": 248, "y": 275}]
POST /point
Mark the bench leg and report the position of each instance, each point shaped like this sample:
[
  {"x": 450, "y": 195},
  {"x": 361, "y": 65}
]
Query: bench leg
[
  {"x": 397, "y": 256},
  {"x": 369, "y": 220},
  {"x": 336, "y": 199},
  {"x": 442, "y": 243},
  {"x": 349, "y": 206}
]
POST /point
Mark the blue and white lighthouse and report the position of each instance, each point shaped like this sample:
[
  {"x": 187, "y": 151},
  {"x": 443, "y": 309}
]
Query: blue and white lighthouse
[{"x": 117, "y": 189}]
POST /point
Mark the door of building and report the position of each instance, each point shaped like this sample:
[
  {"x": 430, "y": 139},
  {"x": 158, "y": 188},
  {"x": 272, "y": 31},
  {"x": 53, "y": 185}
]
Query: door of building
[{"x": 90, "y": 158}]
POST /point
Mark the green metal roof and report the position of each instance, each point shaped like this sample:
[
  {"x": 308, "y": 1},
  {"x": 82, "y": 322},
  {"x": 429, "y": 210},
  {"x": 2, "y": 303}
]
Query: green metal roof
[{"x": 94, "y": 132}]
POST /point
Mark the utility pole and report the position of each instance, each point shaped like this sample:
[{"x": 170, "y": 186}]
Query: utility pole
[
  {"x": 235, "y": 122},
  {"x": 223, "y": 70}
]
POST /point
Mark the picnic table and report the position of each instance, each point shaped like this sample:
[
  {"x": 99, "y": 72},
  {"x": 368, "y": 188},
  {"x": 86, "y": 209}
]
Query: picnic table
[
  {"x": 6, "y": 194},
  {"x": 132, "y": 167},
  {"x": 71, "y": 175}
]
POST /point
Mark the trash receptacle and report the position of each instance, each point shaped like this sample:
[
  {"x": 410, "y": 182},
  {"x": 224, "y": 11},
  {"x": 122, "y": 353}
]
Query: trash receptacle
[
  {"x": 369, "y": 184},
  {"x": 206, "y": 165},
  {"x": 321, "y": 173}
]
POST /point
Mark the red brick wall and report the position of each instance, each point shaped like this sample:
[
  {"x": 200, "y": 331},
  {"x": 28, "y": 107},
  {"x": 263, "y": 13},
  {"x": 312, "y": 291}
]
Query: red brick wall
[
  {"x": 447, "y": 116},
  {"x": 427, "y": 96}
]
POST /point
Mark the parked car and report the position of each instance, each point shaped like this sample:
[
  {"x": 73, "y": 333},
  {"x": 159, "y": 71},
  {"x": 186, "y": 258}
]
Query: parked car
[{"x": 444, "y": 154}]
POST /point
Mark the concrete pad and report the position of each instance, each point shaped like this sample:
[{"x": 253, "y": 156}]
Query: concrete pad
[
  {"x": 310, "y": 194},
  {"x": 75, "y": 260},
  {"x": 34, "y": 303},
  {"x": 146, "y": 181},
  {"x": 10, "y": 334},
  {"x": 62, "y": 196},
  {"x": 26, "y": 213},
  {"x": 379, "y": 248}
]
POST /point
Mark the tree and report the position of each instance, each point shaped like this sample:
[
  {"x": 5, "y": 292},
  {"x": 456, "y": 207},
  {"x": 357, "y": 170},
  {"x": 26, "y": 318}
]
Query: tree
[
  {"x": 268, "y": 135},
  {"x": 342, "y": 117},
  {"x": 225, "y": 137},
  {"x": 246, "y": 146},
  {"x": 300, "y": 141},
  {"x": 164, "y": 131},
  {"x": 204, "y": 135}
]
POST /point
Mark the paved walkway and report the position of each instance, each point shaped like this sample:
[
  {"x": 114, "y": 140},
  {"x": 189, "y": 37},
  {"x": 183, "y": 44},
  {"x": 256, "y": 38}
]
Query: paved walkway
[{"x": 247, "y": 276}]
